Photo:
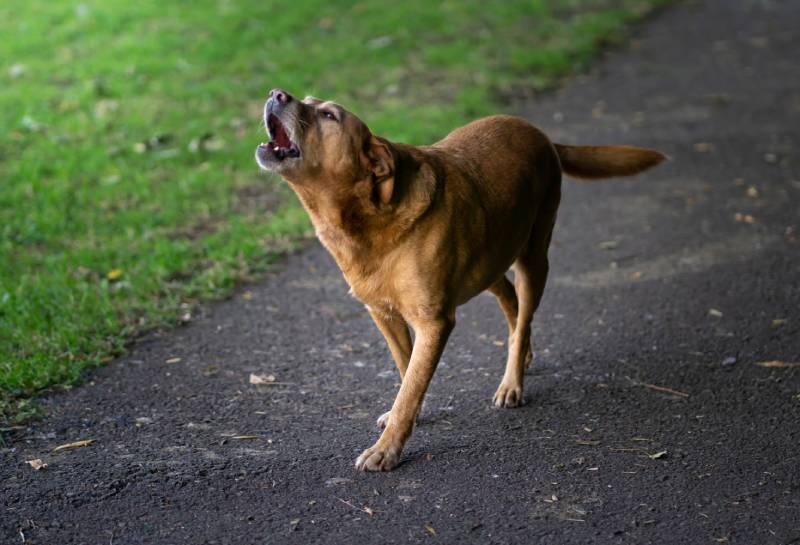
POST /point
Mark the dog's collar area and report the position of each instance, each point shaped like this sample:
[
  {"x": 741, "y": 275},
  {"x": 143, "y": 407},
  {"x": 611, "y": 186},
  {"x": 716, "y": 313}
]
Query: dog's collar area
[{"x": 280, "y": 144}]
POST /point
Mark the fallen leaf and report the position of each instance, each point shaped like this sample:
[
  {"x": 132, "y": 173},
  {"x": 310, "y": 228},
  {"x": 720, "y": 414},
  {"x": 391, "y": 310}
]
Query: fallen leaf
[
  {"x": 379, "y": 42},
  {"x": 173, "y": 360},
  {"x": 36, "y": 464},
  {"x": 718, "y": 99},
  {"x": 248, "y": 295},
  {"x": 714, "y": 312},
  {"x": 261, "y": 379},
  {"x": 210, "y": 370},
  {"x": 752, "y": 192},
  {"x": 657, "y": 455},
  {"x": 243, "y": 437},
  {"x": 498, "y": 343},
  {"x": 364, "y": 509},
  {"x": 778, "y": 364},
  {"x": 205, "y": 142},
  {"x": 104, "y": 107},
  {"x": 778, "y": 321},
  {"x": 214, "y": 144},
  {"x": 113, "y": 274},
  {"x": 111, "y": 179},
  {"x": 16, "y": 70},
  {"x": 76, "y": 444},
  {"x": 29, "y": 123},
  {"x": 335, "y": 481},
  {"x": 430, "y": 529},
  {"x": 608, "y": 245},
  {"x": 744, "y": 218},
  {"x": 703, "y": 147}
]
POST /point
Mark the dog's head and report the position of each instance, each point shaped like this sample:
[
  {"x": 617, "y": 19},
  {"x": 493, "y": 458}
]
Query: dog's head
[{"x": 318, "y": 142}]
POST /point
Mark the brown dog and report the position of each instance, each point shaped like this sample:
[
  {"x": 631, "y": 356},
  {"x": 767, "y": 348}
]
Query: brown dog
[{"x": 418, "y": 231}]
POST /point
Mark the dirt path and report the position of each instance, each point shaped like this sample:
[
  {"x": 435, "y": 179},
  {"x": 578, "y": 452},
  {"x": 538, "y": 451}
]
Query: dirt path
[{"x": 190, "y": 452}]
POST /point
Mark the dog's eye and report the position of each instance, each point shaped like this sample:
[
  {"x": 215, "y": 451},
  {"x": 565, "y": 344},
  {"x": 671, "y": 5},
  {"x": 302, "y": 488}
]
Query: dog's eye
[{"x": 327, "y": 114}]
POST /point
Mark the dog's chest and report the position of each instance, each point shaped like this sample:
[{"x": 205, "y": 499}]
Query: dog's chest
[
  {"x": 368, "y": 288},
  {"x": 367, "y": 277},
  {"x": 364, "y": 270}
]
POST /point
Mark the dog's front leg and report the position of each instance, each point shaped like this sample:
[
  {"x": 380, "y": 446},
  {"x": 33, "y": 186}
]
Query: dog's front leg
[
  {"x": 395, "y": 330},
  {"x": 431, "y": 337}
]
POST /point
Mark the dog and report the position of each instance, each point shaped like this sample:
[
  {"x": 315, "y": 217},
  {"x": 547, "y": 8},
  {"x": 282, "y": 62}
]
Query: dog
[{"x": 419, "y": 230}]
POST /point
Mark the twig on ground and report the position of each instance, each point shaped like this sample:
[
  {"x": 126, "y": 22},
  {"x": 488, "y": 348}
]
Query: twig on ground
[
  {"x": 657, "y": 388},
  {"x": 665, "y": 390},
  {"x": 366, "y": 510}
]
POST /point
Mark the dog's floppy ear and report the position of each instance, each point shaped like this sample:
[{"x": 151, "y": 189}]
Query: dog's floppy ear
[{"x": 381, "y": 166}]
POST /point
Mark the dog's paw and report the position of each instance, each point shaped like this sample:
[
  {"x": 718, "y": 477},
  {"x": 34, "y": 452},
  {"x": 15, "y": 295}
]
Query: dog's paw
[
  {"x": 377, "y": 458},
  {"x": 508, "y": 396},
  {"x": 383, "y": 419}
]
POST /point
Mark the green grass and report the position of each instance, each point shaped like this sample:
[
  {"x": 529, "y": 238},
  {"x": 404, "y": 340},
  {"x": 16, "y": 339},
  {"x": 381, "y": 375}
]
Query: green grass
[{"x": 127, "y": 186}]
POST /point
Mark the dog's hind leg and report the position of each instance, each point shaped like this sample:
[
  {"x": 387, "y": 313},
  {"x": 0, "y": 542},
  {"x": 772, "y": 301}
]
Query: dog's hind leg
[
  {"x": 530, "y": 277},
  {"x": 509, "y": 393},
  {"x": 503, "y": 289}
]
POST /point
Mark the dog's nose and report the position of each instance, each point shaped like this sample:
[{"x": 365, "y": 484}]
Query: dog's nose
[{"x": 281, "y": 96}]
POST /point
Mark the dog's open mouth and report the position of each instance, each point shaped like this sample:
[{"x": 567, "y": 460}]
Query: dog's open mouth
[{"x": 280, "y": 144}]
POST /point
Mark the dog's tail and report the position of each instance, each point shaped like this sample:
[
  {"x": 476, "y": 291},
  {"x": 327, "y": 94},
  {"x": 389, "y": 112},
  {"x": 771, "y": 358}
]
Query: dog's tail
[{"x": 593, "y": 162}]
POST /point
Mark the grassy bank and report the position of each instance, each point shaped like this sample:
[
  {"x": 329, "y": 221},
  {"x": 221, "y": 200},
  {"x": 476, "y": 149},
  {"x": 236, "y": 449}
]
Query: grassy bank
[{"x": 128, "y": 191}]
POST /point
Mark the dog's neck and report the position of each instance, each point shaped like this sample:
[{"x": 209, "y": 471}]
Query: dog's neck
[{"x": 351, "y": 221}]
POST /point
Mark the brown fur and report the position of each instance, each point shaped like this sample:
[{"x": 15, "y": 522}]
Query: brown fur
[
  {"x": 418, "y": 231},
  {"x": 594, "y": 162}
]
